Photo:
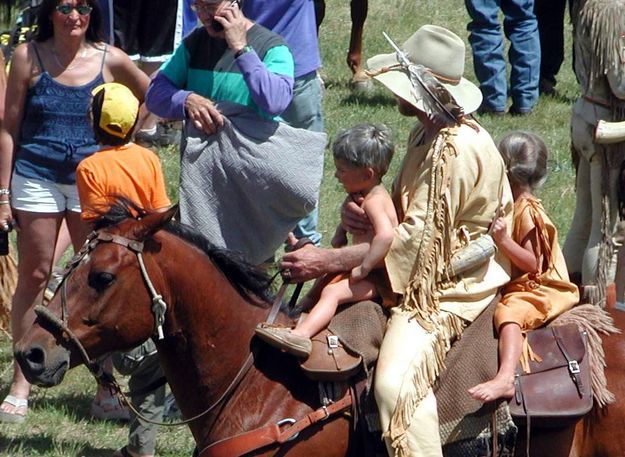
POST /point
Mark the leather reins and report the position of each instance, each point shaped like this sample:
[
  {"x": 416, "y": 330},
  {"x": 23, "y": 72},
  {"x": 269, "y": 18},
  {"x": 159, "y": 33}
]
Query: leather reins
[{"x": 158, "y": 308}]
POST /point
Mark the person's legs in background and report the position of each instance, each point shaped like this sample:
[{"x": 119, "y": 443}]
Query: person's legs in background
[
  {"x": 487, "y": 44},
  {"x": 521, "y": 29},
  {"x": 550, "y": 18},
  {"x": 36, "y": 239},
  {"x": 143, "y": 366},
  {"x": 305, "y": 112}
]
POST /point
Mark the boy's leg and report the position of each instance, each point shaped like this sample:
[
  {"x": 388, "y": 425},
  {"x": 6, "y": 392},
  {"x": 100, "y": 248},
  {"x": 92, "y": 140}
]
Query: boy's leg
[
  {"x": 144, "y": 368},
  {"x": 502, "y": 385},
  {"x": 333, "y": 295}
]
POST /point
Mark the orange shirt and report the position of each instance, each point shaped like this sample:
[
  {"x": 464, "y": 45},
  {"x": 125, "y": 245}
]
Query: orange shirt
[{"x": 131, "y": 171}]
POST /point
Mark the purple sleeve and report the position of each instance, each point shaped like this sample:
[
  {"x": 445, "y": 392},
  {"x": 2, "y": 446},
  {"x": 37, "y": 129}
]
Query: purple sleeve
[
  {"x": 272, "y": 92},
  {"x": 164, "y": 99}
]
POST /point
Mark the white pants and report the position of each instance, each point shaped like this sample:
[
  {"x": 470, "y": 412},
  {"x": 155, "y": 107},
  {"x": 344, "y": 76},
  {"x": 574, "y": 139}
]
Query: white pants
[{"x": 401, "y": 350}]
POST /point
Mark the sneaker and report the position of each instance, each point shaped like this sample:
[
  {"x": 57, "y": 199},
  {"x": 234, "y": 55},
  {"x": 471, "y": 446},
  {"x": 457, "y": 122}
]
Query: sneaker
[
  {"x": 516, "y": 111},
  {"x": 490, "y": 111},
  {"x": 171, "y": 412},
  {"x": 163, "y": 134},
  {"x": 283, "y": 338}
]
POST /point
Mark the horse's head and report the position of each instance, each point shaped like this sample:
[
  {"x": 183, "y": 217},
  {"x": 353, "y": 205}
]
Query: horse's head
[{"x": 103, "y": 303}]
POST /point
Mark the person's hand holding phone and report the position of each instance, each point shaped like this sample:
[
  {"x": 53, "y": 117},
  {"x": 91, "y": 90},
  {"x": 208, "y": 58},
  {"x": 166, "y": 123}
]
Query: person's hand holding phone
[{"x": 233, "y": 24}]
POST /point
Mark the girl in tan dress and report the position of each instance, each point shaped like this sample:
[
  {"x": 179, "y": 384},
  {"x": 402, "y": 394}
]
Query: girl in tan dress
[{"x": 540, "y": 289}]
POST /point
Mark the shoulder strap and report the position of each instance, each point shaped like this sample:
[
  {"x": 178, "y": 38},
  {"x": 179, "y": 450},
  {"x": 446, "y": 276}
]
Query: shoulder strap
[
  {"x": 106, "y": 46},
  {"x": 34, "y": 47}
]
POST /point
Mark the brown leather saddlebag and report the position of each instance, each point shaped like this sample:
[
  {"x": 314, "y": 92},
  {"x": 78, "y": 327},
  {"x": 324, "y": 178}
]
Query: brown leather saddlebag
[
  {"x": 329, "y": 360},
  {"x": 557, "y": 391}
]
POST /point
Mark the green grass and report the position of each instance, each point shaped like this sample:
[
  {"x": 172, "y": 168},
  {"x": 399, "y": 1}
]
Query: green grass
[{"x": 59, "y": 423}]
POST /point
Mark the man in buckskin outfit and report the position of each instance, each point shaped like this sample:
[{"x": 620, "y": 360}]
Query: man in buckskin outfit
[{"x": 451, "y": 184}]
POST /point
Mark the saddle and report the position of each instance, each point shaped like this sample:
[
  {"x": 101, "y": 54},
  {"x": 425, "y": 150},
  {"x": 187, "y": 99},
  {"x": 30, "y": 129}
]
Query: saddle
[{"x": 349, "y": 345}]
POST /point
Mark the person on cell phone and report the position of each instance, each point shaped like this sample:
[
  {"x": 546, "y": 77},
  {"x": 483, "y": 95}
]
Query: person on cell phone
[{"x": 230, "y": 58}]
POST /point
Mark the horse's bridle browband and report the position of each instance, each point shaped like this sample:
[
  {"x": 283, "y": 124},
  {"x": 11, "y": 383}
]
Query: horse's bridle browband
[{"x": 159, "y": 307}]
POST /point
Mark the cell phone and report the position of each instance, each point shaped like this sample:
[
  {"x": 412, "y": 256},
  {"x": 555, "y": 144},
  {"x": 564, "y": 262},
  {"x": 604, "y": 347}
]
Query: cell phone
[
  {"x": 4, "y": 243},
  {"x": 216, "y": 25}
]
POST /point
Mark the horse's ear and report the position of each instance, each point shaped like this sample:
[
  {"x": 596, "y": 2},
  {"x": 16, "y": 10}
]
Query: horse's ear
[{"x": 152, "y": 223}]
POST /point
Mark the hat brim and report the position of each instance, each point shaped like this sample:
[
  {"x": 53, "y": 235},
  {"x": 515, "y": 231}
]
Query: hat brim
[{"x": 466, "y": 94}]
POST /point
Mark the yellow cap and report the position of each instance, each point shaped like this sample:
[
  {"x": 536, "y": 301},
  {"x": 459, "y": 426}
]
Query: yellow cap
[{"x": 119, "y": 109}]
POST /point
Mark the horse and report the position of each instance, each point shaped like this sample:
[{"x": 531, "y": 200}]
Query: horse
[
  {"x": 598, "y": 433},
  {"x": 144, "y": 277},
  {"x": 358, "y": 13}
]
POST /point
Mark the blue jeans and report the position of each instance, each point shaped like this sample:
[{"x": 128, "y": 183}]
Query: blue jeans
[
  {"x": 305, "y": 112},
  {"x": 487, "y": 43}
]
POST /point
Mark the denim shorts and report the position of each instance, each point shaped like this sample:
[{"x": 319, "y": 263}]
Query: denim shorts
[{"x": 37, "y": 196}]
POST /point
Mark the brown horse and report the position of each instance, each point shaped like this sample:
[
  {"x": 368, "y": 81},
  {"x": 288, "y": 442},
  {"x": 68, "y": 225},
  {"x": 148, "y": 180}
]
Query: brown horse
[
  {"x": 599, "y": 433},
  {"x": 358, "y": 13},
  {"x": 109, "y": 300}
]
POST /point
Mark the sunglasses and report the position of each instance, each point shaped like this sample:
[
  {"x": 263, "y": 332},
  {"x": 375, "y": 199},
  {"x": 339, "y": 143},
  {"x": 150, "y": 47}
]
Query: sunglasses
[{"x": 66, "y": 9}]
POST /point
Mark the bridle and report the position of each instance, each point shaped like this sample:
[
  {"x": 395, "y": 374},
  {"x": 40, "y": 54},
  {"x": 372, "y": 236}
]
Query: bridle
[
  {"x": 158, "y": 304},
  {"x": 158, "y": 308}
]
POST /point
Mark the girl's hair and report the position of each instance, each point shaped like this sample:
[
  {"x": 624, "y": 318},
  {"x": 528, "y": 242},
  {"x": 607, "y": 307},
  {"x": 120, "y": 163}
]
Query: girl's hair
[
  {"x": 365, "y": 145},
  {"x": 45, "y": 30},
  {"x": 525, "y": 156}
]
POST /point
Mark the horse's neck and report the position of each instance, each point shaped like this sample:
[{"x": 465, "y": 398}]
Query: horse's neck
[{"x": 208, "y": 330}]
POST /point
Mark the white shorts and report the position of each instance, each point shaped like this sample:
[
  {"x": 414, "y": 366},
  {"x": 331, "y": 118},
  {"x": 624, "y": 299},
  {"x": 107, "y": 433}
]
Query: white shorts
[{"x": 38, "y": 196}]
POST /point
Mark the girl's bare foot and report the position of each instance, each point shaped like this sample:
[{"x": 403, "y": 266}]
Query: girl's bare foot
[{"x": 493, "y": 389}]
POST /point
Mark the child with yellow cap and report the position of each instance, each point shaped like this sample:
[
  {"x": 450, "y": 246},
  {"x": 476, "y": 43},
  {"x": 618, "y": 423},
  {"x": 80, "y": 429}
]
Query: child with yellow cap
[
  {"x": 121, "y": 168},
  {"x": 124, "y": 169}
]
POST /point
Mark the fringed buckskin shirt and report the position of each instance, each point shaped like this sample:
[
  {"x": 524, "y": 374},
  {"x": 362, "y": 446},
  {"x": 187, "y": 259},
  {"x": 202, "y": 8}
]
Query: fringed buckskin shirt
[{"x": 447, "y": 194}]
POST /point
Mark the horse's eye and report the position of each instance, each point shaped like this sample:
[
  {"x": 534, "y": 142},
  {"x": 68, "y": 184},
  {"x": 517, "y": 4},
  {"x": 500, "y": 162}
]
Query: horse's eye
[{"x": 100, "y": 280}]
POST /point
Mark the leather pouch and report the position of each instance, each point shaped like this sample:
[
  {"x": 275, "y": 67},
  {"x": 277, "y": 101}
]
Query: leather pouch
[
  {"x": 329, "y": 360},
  {"x": 558, "y": 390}
]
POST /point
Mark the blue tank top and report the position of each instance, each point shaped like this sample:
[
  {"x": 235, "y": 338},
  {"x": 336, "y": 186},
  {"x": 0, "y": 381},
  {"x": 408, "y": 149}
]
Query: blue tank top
[{"x": 56, "y": 133}]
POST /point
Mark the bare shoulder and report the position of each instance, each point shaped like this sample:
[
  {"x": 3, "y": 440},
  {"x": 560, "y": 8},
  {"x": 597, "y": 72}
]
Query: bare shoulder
[
  {"x": 114, "y": 55},
  {"x": 377, "y": 202}
]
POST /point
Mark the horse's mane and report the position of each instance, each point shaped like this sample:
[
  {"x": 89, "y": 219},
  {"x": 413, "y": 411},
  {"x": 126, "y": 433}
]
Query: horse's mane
[{"x": 249, "y": 280}]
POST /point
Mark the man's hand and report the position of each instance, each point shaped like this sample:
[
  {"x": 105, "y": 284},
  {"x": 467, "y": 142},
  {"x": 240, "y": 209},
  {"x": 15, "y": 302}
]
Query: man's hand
[
  {"x": 234, "y": 24},
  {"x": 353, "y": 218},
  {"x": 203, "y": 113},
  {"x": 306, "y": 263}
]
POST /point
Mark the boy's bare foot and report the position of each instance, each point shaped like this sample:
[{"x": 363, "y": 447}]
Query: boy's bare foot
[{"x": 492, "y": 390}]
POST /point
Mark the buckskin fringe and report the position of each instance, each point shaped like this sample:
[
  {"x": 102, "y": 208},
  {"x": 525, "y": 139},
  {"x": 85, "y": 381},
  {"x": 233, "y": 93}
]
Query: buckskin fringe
[
  {"x": 420, "y": 377},
  {"x": 603, "y": 21},
  {"x": 595, "y": 322},
  {"x": 421, "y": 296}
]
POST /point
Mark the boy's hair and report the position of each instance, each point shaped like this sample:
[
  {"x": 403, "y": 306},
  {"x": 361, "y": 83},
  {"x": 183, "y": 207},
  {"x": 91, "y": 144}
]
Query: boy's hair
[
  {"x": 115, "y": 111},
  {"x": 365, "y": 145},
  {"x": 525, "y": 156}
]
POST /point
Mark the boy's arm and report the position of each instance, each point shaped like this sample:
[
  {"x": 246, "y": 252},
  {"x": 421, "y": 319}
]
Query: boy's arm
[{"x": 384, "y": 232}]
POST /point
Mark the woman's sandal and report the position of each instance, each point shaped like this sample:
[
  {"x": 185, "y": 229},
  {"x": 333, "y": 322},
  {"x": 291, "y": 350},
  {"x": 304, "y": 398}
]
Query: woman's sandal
[
  {"x": 16, "y": 417},
  {"x": 109, "y": 408}
]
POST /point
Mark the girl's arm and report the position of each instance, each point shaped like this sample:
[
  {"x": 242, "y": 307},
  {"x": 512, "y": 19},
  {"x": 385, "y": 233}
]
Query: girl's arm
[
  {"x": 523, "y": 255},
  {"x": 384, "y": 232}
]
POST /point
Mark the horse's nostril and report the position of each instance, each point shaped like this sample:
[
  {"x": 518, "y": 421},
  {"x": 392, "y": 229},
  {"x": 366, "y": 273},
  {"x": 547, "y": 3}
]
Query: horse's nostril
[{"x": 35, "y": 356}]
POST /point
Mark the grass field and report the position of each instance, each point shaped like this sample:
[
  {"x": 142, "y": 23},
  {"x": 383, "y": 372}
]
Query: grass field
[{"x": 59, "y": 423}]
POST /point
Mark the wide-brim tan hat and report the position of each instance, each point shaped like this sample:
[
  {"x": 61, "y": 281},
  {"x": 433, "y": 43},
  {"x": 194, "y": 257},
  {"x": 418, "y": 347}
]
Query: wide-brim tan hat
[{"x": 442, "y": 53}]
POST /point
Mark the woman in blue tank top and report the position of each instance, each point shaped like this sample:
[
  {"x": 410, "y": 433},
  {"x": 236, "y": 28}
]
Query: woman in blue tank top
[{"x": 45, "y": 133}]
